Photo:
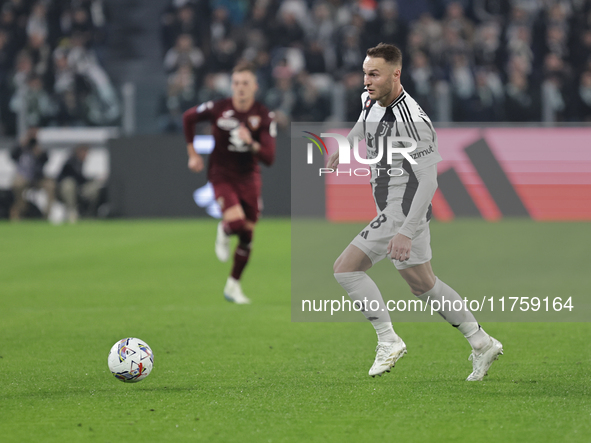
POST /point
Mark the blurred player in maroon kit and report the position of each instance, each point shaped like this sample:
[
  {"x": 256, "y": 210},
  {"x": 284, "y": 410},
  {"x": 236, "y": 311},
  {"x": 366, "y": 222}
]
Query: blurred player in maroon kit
[{"x": 244, "y": 134}]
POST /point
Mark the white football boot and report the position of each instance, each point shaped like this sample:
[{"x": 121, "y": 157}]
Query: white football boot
[
  {"x": 482, "y": 362},
  {"x": 222, "y": 244},
  {"x": 233, "y": 292},
  {"x": 387, "y": 354}
]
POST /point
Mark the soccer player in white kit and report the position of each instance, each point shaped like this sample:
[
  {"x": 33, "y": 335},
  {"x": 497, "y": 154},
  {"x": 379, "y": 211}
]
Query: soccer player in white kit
[{"x": 402, "y": 192}]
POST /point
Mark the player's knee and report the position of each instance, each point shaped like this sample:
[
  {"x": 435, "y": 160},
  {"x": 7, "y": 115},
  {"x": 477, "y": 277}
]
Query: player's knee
[
  {"x": 348, "y": 262},
  {"x": 236, "y": 226},
  {"x": 338, "y": 266},
  {"x": 341, "y": 266}
]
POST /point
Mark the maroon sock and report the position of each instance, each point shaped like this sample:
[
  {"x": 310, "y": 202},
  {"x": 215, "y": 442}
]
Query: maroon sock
[{"x": 241, "y": 256}]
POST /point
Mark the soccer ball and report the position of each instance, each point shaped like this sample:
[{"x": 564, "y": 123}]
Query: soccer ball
[{"x": 130, "y": 360}]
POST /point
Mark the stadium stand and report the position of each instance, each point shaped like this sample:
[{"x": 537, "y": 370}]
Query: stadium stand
[
  {"x": 51, "y": 72},
  {"x": 465, "y": 61}
]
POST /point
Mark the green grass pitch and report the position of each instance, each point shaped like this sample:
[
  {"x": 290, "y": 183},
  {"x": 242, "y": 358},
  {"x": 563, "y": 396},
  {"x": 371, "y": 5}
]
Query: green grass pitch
[{"x": 227, "y": 373}]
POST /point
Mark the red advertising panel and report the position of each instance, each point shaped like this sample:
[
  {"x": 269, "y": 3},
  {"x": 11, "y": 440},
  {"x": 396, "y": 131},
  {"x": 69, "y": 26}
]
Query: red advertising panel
[{"x": 542, "y": 173}]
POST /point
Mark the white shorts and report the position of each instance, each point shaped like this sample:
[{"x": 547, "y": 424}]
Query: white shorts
[{"x": 374, "y": 239}]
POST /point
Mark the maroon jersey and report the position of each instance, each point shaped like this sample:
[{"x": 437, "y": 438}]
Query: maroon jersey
[{"x": 231, "y": 159}]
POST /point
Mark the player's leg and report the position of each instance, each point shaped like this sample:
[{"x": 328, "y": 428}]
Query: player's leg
[
  {"x": 233, "y": 218},
  {"x": 417, "y": 272},
  {"x": 234, "y": 223},
  {"x": 242, "y": 252},
  {"x": 241, "y": 219},
  {"x": 430, "y": 289},
  {"x": 350, "y": 271},
  {"x": 249, "y": 193}
]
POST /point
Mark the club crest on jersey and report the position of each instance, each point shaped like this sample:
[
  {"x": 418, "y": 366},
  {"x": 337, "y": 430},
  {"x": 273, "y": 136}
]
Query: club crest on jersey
[
  {"x": 227, "y": 123},
  {"x": 367, "y": 102},
  {"x": 254, "y": 121}
]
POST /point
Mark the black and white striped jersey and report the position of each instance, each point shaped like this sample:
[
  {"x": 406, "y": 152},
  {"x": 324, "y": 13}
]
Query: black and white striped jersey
[{"x": 394, "y": 185}]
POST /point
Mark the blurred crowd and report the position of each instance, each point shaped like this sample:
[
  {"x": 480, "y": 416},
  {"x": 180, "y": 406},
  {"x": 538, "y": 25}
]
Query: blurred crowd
[
  {"x": 75, "y": 194},
  {"x": 50, "y": 64},
  {"x": 482, "y": 60}
]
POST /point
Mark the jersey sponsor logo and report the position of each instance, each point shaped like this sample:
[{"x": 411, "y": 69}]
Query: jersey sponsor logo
[
  {"x": 423, "y": 153},
  {"x": 227, "y": 124},
  {"x": 254, "y": 121},
  {"x": 228, "y": 113}
]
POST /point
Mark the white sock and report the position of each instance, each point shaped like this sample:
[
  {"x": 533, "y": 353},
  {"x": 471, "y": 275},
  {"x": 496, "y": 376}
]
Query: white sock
[
  {"x": 462, "y": 319},
  {"x": 360, "y": 288},
  {"x": 479, "y": 340}
]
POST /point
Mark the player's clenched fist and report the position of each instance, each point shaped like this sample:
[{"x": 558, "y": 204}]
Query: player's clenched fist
[{"x": 195, "y": 163}]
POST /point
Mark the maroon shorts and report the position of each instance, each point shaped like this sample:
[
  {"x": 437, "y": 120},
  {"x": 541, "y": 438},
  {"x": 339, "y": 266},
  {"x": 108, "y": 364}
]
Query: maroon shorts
[{"x": 246, "y": 193}]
